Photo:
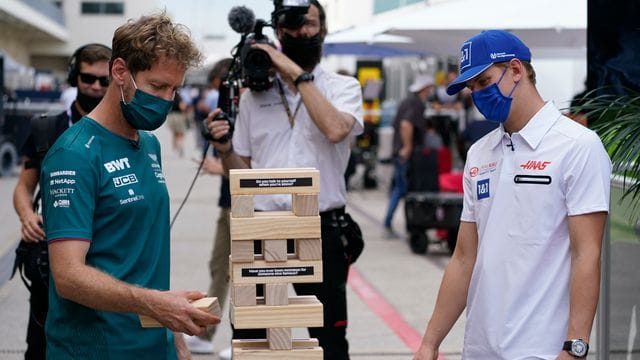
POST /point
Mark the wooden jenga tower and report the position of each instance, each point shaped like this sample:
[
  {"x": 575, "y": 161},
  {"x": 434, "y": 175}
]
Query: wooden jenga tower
[{"x": 275, "y": 268}]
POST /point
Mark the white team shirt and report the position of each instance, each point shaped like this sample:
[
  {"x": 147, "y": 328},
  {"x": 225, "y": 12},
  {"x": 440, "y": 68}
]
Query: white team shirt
[
  {"x": 262, "y": 132},
  {"x": 520, "y": 200}
]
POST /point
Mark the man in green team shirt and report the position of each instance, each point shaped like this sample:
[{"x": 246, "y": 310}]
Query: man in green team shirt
[{"x": 106, "y": 210}]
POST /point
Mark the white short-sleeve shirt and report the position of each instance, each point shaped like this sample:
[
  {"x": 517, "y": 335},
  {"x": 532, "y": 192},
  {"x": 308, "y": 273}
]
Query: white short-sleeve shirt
[
  {"x": 262, "y": 132},
  {"x": 520, "y": 200}
]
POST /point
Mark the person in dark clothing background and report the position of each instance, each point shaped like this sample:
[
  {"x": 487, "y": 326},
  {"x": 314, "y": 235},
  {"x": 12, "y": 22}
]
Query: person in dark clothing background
[
  {"x": 409, "y": 128},
  {"x": 89, "y": 72}
]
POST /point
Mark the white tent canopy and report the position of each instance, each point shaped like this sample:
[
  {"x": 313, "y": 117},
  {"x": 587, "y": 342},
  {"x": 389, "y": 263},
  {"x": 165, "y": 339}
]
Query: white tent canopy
[
  {"x": 554, "y": 28},
  {"x": 556, "y": 32},
  {"x": 548, "y": 25}
]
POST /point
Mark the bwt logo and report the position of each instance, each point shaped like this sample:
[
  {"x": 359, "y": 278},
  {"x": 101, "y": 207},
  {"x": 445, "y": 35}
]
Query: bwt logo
[
  {"x": 116, "y": 165},
  {"x": 535, "y": 165},
  {"x": 125, "y": 180},
  {"x": 465, "y": 55}
]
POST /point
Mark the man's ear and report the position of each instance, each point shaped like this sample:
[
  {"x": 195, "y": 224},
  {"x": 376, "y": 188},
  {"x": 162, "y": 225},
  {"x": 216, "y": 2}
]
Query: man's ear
[
  {"x": 517, "y": 68},
  {"x": 119, "y": 71}
]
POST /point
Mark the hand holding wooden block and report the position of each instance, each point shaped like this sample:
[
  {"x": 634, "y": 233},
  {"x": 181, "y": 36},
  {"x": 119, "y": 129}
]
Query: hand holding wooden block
[{"x": 208, "y": 304}]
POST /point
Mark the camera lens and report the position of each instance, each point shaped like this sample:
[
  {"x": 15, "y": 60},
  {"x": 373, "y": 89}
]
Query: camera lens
[{"x": 257, "y": 62}]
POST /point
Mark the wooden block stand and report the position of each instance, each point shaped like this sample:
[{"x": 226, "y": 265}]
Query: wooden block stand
[{"x": 275, "y": 268}]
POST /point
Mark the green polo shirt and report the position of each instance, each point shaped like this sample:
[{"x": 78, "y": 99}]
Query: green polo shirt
[{"x": 107, "y": 190}]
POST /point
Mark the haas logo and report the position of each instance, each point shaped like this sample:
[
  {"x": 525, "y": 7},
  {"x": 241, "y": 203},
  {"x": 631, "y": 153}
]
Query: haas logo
[{"x": 535, "y": 165}]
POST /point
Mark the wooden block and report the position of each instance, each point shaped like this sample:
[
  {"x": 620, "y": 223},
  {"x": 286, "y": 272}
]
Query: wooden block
[
  {"x": 309, "y": 249},
  {"x": 208, "y": 304},
  {"x": 302, "y": 349},
  {"x": 276, "y": 294},
  {"x": 274, "y": 250},
  {"x": 248, "y": 344},
  {"x": 275, "y": 225},
  {"x": 302, "y": 311},
  {"x": 243, "y": 295},
  {"x": 242, "y": 206},
  {"x": 242, "y": 251},
  {"x": 274, "y": 181},
  {"x": 279, "y": 338},
  {"x": 291, "y": 271},
  {"x": 305, "y": 204}
]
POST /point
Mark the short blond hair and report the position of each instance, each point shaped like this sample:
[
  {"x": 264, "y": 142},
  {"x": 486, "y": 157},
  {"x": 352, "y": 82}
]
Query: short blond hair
[{"x": 143, "y": 41}]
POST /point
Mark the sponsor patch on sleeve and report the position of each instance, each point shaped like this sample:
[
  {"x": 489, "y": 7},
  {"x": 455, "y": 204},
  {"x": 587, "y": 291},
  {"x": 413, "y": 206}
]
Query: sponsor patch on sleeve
[{"x": 482, "y": 189}]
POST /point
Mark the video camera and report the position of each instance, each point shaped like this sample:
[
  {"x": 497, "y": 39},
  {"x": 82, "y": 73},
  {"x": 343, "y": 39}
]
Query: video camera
[
  {"x": 251, "y": 67},
  {"x": 255, "y": 64}
]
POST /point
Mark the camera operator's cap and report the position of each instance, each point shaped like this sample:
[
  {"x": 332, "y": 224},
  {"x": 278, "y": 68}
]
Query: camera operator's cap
[
  {"x": 483, "y": 50},
  {"x": 421, "y": 82}
]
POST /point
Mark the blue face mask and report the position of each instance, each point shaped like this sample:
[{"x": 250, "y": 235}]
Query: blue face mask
[
  {"x": 145, "y": 111},
  {"x": 491, "y": 103}
]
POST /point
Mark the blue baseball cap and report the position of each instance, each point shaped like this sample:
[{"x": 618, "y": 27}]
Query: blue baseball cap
[{"x": 483, "y": 50}]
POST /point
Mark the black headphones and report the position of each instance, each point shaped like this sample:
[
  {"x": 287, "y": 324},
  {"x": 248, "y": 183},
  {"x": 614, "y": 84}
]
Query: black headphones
[{"x": 74, "y": 63}]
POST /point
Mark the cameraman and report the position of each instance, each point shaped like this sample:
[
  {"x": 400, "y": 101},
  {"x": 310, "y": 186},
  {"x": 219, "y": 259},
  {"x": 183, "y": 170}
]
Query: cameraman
[{"x": 303, "y": 120}]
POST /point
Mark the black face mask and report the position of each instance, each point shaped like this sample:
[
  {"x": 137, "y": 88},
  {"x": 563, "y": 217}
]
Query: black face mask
[
  {"x": 86, "y": 102},
  {"x": 306, "y": 52}
]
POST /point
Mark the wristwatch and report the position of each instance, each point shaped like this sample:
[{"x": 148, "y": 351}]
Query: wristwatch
[
  {"x": 305, "y": 76},
  {"x": 576, "y": 347}
]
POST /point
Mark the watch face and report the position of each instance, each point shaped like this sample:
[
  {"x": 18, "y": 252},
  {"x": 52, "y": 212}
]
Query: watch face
[{"x": 579, "y": 348}]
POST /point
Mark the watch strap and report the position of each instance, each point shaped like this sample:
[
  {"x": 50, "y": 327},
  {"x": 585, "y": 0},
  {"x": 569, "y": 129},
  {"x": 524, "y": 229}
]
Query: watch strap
[{"x": 305, "y": 76}]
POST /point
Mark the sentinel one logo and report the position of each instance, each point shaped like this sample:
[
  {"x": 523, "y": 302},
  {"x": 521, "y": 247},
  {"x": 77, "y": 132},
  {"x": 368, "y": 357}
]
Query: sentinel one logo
[
  {"x": 116, "y": 165},
  {"x": 125, "y": 180}
]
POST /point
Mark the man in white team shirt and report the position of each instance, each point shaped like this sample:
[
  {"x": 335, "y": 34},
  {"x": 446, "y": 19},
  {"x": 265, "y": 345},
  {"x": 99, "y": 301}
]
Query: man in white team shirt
[{"x": 536, "y": 195}]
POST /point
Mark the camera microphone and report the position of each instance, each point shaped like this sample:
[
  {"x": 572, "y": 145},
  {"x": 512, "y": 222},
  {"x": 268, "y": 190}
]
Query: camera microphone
[{"x": 241, "y": 19}]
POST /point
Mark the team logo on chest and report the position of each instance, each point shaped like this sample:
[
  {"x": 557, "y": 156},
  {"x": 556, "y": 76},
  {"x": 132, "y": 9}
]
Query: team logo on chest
[{"x": 535, "y": 165}]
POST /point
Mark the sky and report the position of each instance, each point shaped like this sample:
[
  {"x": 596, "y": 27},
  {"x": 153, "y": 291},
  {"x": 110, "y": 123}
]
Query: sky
[{"x": 207, "y": 20}]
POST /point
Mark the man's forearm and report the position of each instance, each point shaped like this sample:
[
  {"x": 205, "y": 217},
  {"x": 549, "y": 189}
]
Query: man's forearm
[
  {"x": 334, "y": 124},
  {"x": 23, "y": 193},
  {"x": 585, "y": 287},
  {"x": 452, "y": 295},
  {"x": 231, "y": 160},
  {"x": 93, "y": 288},
  {"x": 451, "y": 302},
  {"x": 22, "y": 201},
  {"x": 585, "y": 233}
]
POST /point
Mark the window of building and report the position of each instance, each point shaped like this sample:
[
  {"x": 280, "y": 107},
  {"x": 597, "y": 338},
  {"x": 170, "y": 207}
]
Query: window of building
[
  {"x": 103, "y": 7},
  {"x": 380, "y": 6}
]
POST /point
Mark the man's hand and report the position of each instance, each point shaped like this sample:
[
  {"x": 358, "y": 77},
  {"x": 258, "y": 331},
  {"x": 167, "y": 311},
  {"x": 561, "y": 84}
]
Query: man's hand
[
  {"x": 425, "y": 353},
  {"x": 404, "y": 153},
  {"x": 218, "y": 129},
  {"x": 173, "y": 309},
  {"x": 283, "y": 65},
  {"x": 32, "y": 227}
]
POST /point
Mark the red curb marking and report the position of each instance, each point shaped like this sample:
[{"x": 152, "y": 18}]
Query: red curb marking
[{"x": 385, "y": 311}]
